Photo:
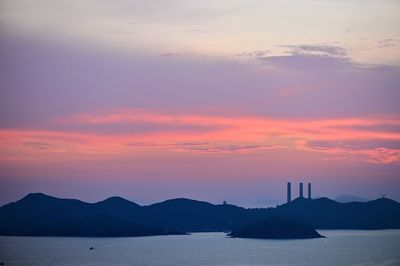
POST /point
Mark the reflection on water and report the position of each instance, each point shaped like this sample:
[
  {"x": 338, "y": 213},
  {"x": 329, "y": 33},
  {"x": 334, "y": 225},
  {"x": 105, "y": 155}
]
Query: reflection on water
[{"x": 341, "y": 247}]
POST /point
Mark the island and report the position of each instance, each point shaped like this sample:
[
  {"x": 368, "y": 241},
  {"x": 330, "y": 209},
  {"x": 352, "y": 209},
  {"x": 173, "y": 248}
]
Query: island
[
  {"x": 276, "y": 228},
  {"x": 38, "y": 214}
]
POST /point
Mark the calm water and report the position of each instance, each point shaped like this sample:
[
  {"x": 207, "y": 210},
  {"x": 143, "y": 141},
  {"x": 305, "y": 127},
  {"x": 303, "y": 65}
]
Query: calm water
[{"x": 339, "y": 248}]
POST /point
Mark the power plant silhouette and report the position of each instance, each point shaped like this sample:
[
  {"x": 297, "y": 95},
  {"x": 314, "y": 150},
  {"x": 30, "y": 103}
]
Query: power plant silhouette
[{"x": 301, "y": 194}]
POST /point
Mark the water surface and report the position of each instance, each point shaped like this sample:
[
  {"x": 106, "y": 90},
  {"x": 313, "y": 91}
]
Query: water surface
[{"x": 341, "y": 247}]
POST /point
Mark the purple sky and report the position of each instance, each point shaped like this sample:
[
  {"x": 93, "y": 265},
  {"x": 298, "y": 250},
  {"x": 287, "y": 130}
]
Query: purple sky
[{"x": 206, "y": 101}]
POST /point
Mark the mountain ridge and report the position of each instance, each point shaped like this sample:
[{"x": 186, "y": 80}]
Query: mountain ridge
[
  {"x": 350, "y": 198},
  {"x": 36, "y": 211}
]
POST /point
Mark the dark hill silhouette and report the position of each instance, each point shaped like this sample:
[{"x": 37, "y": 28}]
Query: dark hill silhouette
[
  {"x": 276, "y": 228},
  {"x": 91, "y": 226},
  {"x": 350, "y": 198},
  {"x": 324, "y": 213},
  {"x": 117, "y": 202},
  {"x": 117, "y": 207},
  {"x": 36, "y": 213},
  {"x": 192, "y": 215},
  {"x": 43, "y": 215}
]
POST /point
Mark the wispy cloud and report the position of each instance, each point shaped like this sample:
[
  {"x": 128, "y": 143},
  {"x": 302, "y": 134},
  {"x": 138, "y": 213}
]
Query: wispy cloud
[
  {"x": 189, "y": 53},
  {"x": 352, "y": 138},
  {"x": 255, "y": 53},
  {"x": 308, "y": 62},
  {"x": 309, "y": 57},
  {"x": 327, "y": 50},
  {"x": 356, "y": 150},
  {"x": 391, "y": 42}
]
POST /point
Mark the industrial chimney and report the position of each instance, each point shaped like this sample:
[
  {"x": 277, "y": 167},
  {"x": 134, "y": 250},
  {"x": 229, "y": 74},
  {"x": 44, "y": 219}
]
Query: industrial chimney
[
  {"x": 309, "y": 190},
  {"x": 289, "y": 192},
  {"x": 301, "y": 190}
]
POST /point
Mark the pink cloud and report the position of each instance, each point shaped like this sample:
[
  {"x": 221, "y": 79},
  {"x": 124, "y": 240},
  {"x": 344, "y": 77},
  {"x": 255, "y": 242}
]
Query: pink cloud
[{"x": 226, "y": 134}]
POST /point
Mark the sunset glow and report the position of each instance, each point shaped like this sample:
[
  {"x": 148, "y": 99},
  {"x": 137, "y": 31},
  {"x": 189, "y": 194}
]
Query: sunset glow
[
  {"x": 348, "y": 138},
  {"x": 199, "y": 96}
]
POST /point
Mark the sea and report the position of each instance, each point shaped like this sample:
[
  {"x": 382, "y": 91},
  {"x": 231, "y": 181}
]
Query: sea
[{"x": 340, "y": 247}]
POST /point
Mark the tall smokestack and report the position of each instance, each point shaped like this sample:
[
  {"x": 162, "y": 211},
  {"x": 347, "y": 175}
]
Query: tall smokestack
[
  {"x": 289, "y": 192},
  {"x": 301, "y": 190},
  {"x": 309, "y": 190}
]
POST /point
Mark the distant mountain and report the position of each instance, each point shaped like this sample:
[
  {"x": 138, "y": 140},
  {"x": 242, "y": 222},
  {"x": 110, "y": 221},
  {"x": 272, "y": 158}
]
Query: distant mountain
[
  {"x": 40, "y": 214},
  {"x": 324, "y": 213},
  {"x": 197, "y": 216},
  {"x": 276, "y": 228},
  {"x": 350, "y": 198}
]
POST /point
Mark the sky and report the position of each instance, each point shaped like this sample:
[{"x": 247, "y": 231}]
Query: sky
[{"x": 210, "y": 100}]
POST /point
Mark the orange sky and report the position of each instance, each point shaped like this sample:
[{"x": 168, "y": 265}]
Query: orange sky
[{"x": 343, "y": 138}]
